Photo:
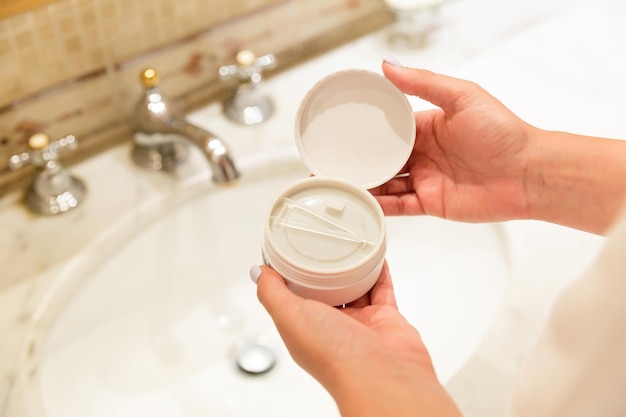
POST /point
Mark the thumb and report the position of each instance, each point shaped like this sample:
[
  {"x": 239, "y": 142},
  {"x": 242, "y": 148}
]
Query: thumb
[
  {"x": 441, "y": 90},
  {"x": 272, "y": 291},
  {"x": 302, "y": 325}
]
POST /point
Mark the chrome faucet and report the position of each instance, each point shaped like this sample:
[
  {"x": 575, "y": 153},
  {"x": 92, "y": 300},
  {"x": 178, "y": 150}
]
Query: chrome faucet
[
  {"x": 53, "y": 190},
  {"x": 162, "y": 135},
  {"x": 248, "y": 105}
]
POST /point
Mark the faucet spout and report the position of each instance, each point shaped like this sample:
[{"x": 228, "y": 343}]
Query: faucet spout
[
  {"x": 213, "y": 148},
  {"x": 162, "y": 136}
]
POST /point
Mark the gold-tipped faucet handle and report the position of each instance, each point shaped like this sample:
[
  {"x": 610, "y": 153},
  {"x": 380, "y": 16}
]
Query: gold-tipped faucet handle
[
  {"x": 38, "y": 141},
  {"x": 245, "y": 58},
  {"x": 149, "y": 77},
  {"x": 41, "y": 150},
  {"x": 248, "y": 105},
  {"x": 53, "y": 190},
  {"x": 248, "y": 66}
]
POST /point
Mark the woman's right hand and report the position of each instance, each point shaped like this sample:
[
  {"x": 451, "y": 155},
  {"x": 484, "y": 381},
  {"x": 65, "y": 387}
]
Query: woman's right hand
[
  {"x": 476, "y": 161},
  {"x": 470, "y": 156}
]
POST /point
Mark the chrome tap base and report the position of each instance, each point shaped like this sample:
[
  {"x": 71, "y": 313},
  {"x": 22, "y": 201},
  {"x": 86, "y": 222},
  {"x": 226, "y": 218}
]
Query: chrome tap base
[
  {"x": 248, "y": 112},
  {"x": 161, "y": 157},
  {"x": 59, "y": 203},
  {"x": 248, "y": 105}
]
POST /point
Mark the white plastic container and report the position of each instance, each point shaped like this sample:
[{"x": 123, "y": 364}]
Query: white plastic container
[{"x": 326, "y": 234}]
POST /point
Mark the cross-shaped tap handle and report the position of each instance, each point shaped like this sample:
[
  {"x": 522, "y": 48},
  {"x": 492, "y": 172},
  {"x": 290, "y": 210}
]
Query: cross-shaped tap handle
[
  {"x": 248, "y": 66},
  {"x": 41, "y": 151}
]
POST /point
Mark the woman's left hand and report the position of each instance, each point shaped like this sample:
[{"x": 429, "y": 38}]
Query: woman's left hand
[{"x": 368, "y": 357}]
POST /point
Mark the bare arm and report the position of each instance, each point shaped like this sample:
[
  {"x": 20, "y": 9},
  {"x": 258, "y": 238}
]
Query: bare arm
[
  {"x": 577, "y": 181},
  {"x": 476, "y": 161}
]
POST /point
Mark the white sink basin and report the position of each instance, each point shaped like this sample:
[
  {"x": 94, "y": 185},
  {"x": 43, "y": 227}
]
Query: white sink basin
[{"x": 153, "y": 330}]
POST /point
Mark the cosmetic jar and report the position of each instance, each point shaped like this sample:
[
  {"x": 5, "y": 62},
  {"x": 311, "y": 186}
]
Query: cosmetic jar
[{"x": 326, "y": 234}]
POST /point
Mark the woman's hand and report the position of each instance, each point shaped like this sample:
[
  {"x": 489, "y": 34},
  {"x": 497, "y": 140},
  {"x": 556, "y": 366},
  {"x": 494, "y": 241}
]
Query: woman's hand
[
  {"x": 370, "y": 359},
  {"x": 476, "y": 161},
  {"x": 470, "y": 156}
]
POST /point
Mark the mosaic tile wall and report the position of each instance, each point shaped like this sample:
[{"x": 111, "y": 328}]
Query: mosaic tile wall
[{"x": 72, "y": 66}]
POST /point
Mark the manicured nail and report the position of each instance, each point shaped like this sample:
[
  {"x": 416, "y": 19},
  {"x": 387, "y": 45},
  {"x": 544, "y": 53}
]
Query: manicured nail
[
  {"x": 392, "y": 61},
  {"x": 255, "y": 273}
]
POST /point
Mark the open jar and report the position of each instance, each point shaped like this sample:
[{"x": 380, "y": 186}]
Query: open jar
[{"x": 326, "y": 234}]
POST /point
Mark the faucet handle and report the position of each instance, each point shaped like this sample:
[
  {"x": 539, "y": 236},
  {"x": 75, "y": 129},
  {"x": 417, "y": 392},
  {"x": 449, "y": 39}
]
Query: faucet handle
[
  {"x": 248, "y": 105},
  {"x": 149, "y": 77},
  {"x": 248, "y": 66},
  {"x": 53, "y": 190},
  {"x": 41, "y": 150}
]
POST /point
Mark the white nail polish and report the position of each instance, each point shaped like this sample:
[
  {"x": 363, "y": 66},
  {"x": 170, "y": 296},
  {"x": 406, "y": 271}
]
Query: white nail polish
[
  {"x": 255, "y": 273},
  {"x": 392, "y": 61}
]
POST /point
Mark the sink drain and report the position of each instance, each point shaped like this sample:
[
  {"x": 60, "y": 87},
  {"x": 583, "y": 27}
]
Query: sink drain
[{"x": 254, "y": 358}]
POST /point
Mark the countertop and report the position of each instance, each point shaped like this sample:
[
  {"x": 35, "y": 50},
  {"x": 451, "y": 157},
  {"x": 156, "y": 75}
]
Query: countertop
[{"x": 560, "y": 66}]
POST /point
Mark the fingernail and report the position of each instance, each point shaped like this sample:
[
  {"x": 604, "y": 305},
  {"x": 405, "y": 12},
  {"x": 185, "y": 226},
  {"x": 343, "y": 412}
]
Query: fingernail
[
  {"x": 392, "y": 61},
  {"x": 255, "y": 273}
]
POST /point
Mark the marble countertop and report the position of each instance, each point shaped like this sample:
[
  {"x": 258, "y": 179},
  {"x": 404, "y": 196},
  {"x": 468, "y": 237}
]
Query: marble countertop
[{"x": 559, "y": 67}]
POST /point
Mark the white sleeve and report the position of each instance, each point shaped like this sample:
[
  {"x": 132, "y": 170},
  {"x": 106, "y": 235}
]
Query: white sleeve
[{"x": 578, "y": 367}]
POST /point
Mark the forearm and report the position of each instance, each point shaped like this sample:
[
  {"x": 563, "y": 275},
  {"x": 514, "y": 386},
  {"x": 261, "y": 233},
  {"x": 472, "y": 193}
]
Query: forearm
[
  {"x": 380, "y": 403},
  {"x": 576, "y": 181},
  {"x": 406, "y": 393}
]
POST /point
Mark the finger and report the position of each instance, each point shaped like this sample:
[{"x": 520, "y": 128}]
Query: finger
[
  {"x": 441, "y": 90},
  {"x": 360, "y": 302},
  {"x": 398, "y": 197},
  {"x": 407, "y": 204},
  {"x": 297, "y": 326},
  {"x": 295, "y": 318},
  {"x": 273, "y": 293},
  {"x": 382, "y": 293},
  {"x": 308, "y": 328},
  {"x": 395, "y": 186}
]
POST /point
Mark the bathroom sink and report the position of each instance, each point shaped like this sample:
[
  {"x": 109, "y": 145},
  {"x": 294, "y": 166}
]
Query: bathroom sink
[{"x": 153, "y": 329}]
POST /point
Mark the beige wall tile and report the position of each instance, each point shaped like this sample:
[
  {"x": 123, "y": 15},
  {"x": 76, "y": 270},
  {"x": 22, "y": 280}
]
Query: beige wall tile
[
  {"x": 73, "y": 66},
  {"x": 71, "y": 109}
]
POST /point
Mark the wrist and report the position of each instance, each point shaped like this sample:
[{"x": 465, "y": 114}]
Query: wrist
[
  {"x": 399, "y": 391},
  {"x": 576, "y": 181}
]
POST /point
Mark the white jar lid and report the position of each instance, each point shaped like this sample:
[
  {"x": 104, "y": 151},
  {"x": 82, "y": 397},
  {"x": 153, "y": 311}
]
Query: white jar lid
[{"x": 355, "y": 125}]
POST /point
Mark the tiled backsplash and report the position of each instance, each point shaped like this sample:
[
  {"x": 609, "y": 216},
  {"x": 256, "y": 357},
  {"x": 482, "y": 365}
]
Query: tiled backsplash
[{"x": 72, "y": 67}]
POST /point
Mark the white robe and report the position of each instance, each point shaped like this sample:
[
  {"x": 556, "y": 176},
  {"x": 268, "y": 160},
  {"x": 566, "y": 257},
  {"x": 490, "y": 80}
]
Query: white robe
[{"x": 578, "y": 367}]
